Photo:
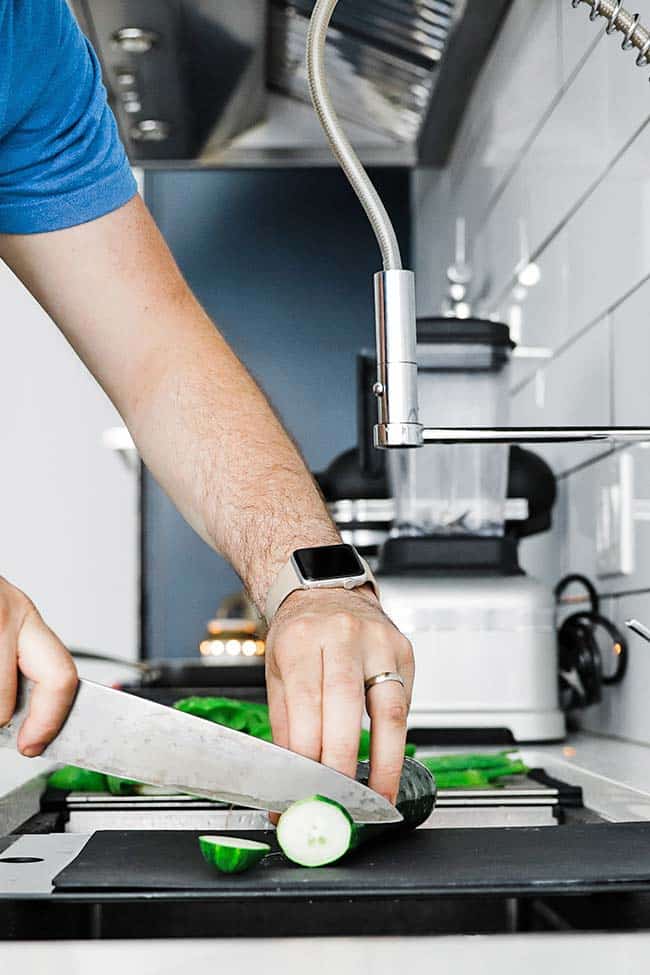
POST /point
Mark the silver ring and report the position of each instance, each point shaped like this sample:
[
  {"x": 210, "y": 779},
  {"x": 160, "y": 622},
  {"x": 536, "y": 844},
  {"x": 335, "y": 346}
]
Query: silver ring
[{"x": 382, "y": 678}]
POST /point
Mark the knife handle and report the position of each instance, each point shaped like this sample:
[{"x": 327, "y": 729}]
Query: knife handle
[{"x": 9, "y": 731}]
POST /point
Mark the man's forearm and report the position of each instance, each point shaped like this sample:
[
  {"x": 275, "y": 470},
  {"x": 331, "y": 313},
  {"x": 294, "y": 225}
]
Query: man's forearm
[
  {"x": 202, "y": 425},
  {"x": 237, "y": 477}
]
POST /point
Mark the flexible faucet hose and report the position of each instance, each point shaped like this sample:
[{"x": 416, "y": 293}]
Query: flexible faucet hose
[
  {"x": 635, "y": 34},
  {"x": 340, "y": 145}
]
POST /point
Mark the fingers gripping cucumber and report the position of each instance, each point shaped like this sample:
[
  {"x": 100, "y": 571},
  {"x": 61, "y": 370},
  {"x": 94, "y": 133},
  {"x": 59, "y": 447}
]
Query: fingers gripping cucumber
[{"x": 318, "y": 831}]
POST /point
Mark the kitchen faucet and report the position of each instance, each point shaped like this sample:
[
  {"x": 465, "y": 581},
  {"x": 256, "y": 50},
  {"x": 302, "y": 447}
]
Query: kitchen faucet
[{"x": 396, "y": 387}]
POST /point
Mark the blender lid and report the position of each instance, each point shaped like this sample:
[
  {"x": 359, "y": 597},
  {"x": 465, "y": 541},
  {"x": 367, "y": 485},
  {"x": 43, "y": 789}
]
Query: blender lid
[{"x": 463, "y": 331}]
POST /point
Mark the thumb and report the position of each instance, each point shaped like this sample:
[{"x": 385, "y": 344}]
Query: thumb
[{"x": 43, "y": 659}]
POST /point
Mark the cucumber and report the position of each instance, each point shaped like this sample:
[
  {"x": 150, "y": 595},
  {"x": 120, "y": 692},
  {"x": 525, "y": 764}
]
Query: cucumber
[
  {"x": 415, "y": 799},
  {"x": 74, "y": 779},
  {"x": 316, "y": 832},
  {"x": 230, "y": 854}
]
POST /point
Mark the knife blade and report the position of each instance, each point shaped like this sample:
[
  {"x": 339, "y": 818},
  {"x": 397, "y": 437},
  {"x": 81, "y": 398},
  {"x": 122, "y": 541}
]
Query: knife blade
[{"x": 117, "y": 733}]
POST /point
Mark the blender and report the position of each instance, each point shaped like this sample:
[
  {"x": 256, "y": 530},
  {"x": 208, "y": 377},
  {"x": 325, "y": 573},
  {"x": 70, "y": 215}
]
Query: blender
[{"x": 483, "y": 632}]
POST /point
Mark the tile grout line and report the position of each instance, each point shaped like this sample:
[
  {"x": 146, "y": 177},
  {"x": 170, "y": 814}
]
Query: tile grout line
[
  {"x": 625, "y": 593},
  {"x": 595, "y": 459},
  {"x": 590, "y": 462},
  {"x": 546, "y": 115},
  {"x": 589, "y": 192},
  {"x": 612, "y": 370},
  {"x": 564, "y": 346}
]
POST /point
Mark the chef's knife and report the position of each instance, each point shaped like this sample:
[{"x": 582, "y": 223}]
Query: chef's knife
[{"x": 119, "y": 734}]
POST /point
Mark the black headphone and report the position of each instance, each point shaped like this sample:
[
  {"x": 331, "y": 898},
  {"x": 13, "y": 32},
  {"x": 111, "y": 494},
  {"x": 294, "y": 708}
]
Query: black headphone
[{"x": 581, "y": 661}]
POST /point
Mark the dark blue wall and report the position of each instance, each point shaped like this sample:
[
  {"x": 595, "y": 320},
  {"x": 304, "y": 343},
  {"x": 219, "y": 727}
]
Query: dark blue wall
[{"x": 283, "y": 261}]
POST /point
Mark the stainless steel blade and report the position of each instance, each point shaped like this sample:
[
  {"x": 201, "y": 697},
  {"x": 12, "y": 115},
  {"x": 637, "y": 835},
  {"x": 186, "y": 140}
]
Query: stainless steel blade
[{"x": 120, "y": 734}]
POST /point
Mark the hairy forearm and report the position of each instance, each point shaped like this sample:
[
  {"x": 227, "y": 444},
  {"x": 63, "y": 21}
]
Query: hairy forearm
[
  {"x": 208, "y": 434},
  {"x": 202, "y": 425}
]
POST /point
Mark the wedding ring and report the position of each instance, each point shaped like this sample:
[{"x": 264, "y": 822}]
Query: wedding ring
[{"x": 382, "y": 678}]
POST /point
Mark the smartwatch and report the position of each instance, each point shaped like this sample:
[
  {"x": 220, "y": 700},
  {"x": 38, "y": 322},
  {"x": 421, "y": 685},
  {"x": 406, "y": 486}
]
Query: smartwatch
[{"x": 324, "y": 567}]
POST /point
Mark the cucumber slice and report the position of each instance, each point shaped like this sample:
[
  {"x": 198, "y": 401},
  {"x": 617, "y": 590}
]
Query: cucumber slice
[
  {"x": 317, "y": 831},
  {"x": 230, "y": 854}
]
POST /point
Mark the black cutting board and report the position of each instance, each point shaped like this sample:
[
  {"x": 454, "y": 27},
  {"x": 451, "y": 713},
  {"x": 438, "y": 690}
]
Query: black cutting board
[{"x": 436, "y": 862}]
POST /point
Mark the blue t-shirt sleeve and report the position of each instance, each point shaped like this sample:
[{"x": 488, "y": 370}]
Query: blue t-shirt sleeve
[{"x": 61, "y": 159}]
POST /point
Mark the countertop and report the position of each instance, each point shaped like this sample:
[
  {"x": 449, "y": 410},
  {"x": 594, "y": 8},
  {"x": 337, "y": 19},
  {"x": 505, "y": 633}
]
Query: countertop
[
  {"x": 478, "y": 955},
  {"x": 595, "y": 763}
]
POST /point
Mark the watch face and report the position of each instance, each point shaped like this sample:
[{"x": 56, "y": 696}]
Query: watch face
[{"x": 328, "y": 562}]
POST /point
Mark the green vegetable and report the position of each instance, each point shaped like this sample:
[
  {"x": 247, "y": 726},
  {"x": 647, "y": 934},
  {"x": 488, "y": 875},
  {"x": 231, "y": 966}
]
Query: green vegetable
[
  {"x": 500, "y": 772},
  {"x": 129, "y": 787},
  {"x": 231, "y": 854},
  {"x": 121, "y": 787},
  {"x": 364, "y": 746},
  {"x": 74, "y": 779},
  {"x": 246, "y": 716},
  {"x": 472, "y": 771},
  {"x": 459, "y": 763},
  {"x": 317, "y": 831},
  {"x": 468, "y": 779}
]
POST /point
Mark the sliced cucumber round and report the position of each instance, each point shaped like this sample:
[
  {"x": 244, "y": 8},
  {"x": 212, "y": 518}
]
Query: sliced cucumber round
[
  {"x": 231, "y": 854},
  {"x": 317, "y": 831}
]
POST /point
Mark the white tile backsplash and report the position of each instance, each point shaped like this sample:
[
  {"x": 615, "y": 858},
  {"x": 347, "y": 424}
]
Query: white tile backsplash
[
  {"x": 545, "y": 310},
  {"x": 571, "y": 390},
  {"x": 609, "y": 237},
  {"x": 583, "y": 488},
  {"x": 552, "y": 162},
  {"x": 631, "y": 359},
  {"x": 575, "y": 150},
  {"x": 624, "y": 711},
  {"x": 578, "y": 37},
  {"x": 516, "y": 89}
]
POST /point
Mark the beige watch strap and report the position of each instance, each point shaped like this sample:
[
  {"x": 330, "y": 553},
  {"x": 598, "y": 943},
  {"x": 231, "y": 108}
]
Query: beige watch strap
[{"x": 288, "y": 580}]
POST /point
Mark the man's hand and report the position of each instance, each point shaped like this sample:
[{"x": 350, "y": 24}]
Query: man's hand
[
  {"x": 29, "y": 646},
  {"x": 321, "y": 647}
]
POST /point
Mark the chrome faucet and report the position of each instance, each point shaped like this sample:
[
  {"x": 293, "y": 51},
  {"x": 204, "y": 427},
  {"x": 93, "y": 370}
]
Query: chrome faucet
[{"x": 396, "y": 387}]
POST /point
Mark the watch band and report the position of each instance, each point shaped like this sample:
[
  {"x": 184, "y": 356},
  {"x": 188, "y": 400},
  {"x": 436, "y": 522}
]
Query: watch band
[{"x": 288, "y": 580}]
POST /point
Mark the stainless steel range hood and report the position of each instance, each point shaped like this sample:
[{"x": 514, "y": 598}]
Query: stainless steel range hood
[{"x": 223, "y": 82}]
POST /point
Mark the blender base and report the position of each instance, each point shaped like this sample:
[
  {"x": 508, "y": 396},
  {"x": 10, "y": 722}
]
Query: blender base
[
  {"x": 486, "y": 653},
  {"x": 525, "y": 727}
]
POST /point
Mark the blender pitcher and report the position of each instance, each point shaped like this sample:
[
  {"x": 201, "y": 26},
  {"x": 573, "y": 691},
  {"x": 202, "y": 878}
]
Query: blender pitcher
[{"x": 456, "y": 489}]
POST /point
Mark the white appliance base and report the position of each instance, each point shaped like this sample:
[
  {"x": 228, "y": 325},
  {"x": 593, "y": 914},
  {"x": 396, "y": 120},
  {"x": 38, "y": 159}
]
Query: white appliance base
[{"x": 525, "y": 726}]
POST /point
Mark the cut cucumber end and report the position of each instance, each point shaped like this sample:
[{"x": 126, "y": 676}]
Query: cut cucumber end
[
  {"x": 232, "y": 854},
  {"x": 315, "y": 832}
]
